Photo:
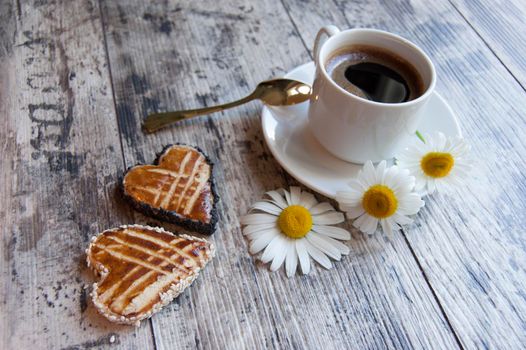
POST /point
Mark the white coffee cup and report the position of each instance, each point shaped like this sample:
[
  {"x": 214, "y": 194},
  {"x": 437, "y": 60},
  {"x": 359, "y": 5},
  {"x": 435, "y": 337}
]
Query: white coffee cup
[{"x": 356, "y": 129}]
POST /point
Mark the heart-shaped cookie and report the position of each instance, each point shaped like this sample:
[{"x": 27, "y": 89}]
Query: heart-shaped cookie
[
  {"x": 178, "y": 188},
  {"x": 142, "y": 269}
]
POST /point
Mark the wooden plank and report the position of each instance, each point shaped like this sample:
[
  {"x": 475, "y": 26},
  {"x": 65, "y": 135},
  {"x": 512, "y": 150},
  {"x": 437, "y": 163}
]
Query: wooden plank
[
  {"x": 60, "y": 160},
  {"x": 172, "y": 55},
  {"x": 501, "y": 25},
  {"x": 470, "y": 240}
]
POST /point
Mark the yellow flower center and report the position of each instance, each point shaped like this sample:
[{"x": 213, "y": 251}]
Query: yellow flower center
[
  {"x": 437, "y": 164},
  {"x": 379, "y": 201},
  {"x": 295, "y": 221}
]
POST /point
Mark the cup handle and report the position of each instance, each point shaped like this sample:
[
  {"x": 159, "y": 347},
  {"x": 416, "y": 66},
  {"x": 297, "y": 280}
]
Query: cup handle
[{"x": 328, "y": 30}]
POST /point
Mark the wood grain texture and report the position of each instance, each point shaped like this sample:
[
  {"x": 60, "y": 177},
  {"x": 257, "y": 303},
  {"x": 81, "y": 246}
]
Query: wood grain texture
[
  {"x": 176, "y": 55},
  {"x": 500, "y": 24},
  {"x": 470, "y": 240},
  {"x": 454, "y": 279},
  {"x": 60, "y": 161}
]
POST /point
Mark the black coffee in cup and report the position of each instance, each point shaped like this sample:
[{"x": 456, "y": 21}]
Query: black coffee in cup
[{"x": 375, "y": 74}]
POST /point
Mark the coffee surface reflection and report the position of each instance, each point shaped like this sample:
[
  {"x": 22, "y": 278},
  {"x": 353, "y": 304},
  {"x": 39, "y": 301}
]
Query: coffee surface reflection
[{"x": 375, "y": 74}]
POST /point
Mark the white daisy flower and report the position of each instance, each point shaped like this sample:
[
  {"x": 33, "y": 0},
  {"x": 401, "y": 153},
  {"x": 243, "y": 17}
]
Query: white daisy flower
[
  {"x": 291, "y": 226},
  {"x": 380, "y": 195},
  {"x": 437, "y": 162}
]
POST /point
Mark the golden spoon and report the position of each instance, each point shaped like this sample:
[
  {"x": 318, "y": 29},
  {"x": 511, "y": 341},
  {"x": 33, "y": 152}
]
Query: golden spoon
[{"x": 275, "y": 92}]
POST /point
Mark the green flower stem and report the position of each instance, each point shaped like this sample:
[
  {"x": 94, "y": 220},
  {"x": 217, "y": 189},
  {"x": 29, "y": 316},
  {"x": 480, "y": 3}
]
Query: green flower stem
[{"x": 419, "y": 135}]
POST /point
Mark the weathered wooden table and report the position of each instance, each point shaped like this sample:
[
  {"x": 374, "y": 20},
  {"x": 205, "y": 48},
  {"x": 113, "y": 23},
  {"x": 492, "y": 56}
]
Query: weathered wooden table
[{"x": 77, "y": 78}]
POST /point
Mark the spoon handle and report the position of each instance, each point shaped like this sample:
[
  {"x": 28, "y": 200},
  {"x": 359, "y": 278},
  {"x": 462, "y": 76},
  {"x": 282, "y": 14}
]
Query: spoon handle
[{"x": 156, "y": 121}]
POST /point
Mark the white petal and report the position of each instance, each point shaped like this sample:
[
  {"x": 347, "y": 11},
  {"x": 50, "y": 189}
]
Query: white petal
[
  {"x": 406, "y": 185},
  {"x": 307, "y": 200},
  {"x": 318, "y": 255},
  {"x": 331, "y": 231},
  {"x": 342, "y": 248},
  {"x": 271, "y": 201},
  {"x": 281, "y": 254},
  {"x": 358, "y": 223},
  {"x": 316, "y": 240},
  {"x": 262, "y": 241},
  {"x": 447, "y": 145},
  {"x": 366, "y": 223},
  {"x": 430, "y": 142},
  {"x": 441, "y": 183},
  {"x": 402, "y": 182},
  {"x": 467, "y": 166},
  {"x": 390, "y": 174},
  {"x": 291, "y": 261},
  {"x": 271, "y": 249},
  {"x": 350, "y": 197},
  {"x": 295, "y": 195},
  {"x": 380, "y": 171},
  {"x": 369, "y": 174},
  {"x": 287, "y": 197},
  {"x": 251, "y": 229},
  {"x": 303, "y": 256},
  {"x": 329, "y": 218},
  {"x": 354, "y": 212},
  {"x": 415, "y": 170},
  {"x": 388, "y": 229},
  {"x": 459, "y": 149},
  {"x": 411, "y": 153},
  {"x": 396, "y": 183},
  {"x": 402, "y": 219},
  {"x": 371, "y": 225},
  {"x": 455, "y": 149},
  {"x": 393, "y": 178},
  {"x": 431, "y": 185},
  {"x": 464, "y": 162},
  {"x": 254, "y": 219},
  {"x": 343, "y": 208},
  {"x": 455, "y": 180},
  {"x": 267, "y": 207},
  {"x": 428, "y": 145},
  {"x": 350, "y": 194},
  {"x": 390, "y": 221},
  {"x": 462, "y": 172},
  {"x": 420, "y": 183},
  {"x": 278, "y": 199},
  {"x": 440, "y": 142},
  {"x": 321, "y": 208},
  {"x": 357, "y": 186},
  {"x": 410, "y": 204},
  {"x": 404, "y": 172}
]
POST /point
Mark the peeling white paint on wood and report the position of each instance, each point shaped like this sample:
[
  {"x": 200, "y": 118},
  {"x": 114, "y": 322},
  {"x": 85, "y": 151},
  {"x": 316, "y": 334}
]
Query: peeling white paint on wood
[
  {"x": 468, "y": 240},
  {"x": 455, "y": 277}
]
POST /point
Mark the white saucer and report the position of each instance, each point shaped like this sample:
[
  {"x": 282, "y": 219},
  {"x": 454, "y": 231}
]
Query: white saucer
[{"x": 291, "y": 142}]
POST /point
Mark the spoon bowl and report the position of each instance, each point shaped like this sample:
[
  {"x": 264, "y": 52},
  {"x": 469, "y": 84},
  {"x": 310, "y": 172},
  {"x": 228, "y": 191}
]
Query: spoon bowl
[{"x": 282, "y": 92}]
